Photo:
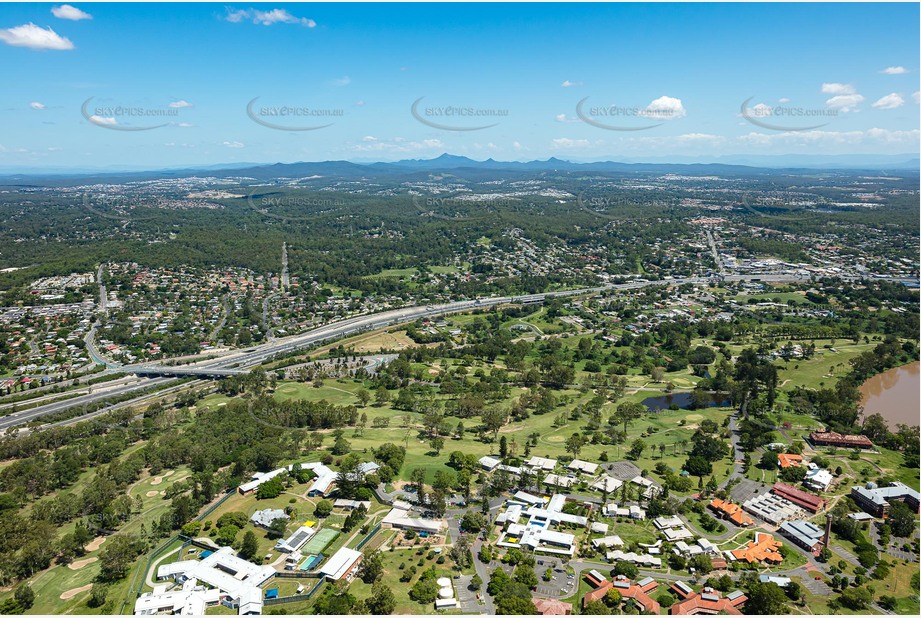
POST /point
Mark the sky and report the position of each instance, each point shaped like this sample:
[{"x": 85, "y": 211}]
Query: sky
[{"x": 168, "y": 85}]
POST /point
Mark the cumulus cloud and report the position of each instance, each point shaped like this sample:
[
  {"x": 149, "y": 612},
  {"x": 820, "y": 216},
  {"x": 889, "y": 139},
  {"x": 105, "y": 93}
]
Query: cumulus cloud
[
  {"x": 66, "y": 11},
  {"x": 103, "y": 121},
  {"x": 181, "y": 103},
  {"x": 233, "y": 144},
  {"x": 894, "y": 70},
  {"x": 664, "y": 108},
  {"x": 397, "y": 145},
  {"x": 836, "y": 88},
  {"x": 916, "y": 97},
  {"x": 570, "y": 84},
  {"x": 783, "y": 100},
  {"x": 345, "y": 80},
  {"x": 890, "y": 101},
  {"x": 37, "y": 105},
  {"x": 565, "y": 118},
  {"x": 34, "y": 37},
  {"x": 700, "y": 137},
  {"x": 266, "y": 18},
  {"x": 845, "y": 102}
]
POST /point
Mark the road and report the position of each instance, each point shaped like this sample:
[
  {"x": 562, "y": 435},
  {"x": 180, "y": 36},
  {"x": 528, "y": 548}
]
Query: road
[{"x": 251, "y": 357}]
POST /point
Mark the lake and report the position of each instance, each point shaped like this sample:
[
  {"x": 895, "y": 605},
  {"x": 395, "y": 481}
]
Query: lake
[
  {"x": 894, "y": 395},
  {"x": 682, "y": 401}
]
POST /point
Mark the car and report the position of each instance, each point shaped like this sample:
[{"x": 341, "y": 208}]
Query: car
[{"x": 541, "y": 562}]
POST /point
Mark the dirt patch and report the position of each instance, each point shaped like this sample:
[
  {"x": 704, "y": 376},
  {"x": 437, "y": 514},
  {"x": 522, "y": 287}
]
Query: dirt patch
[
  {"x": 95, "y": 543},
  {"x": 79, "y": 564},
  {"x": 69, "y": 594}
]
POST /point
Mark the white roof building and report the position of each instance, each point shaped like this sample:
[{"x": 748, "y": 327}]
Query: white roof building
[
  {"x": 558, "y": 480},
  {"x": 542, "y": 463},
  {"x": 523, "y": 496},
  {"x": 297, "y": 540},
  {"x": 584, "y": 467},
  {"x": 489, "y": 463},
  {"x": 600, "y": 527},
  {"x": 403, "y": 519},
  {"x": 643, "y": 559},
  {"x": 238, "y": 579},
  {"x": 608, "y": 541},
  {"x": 189, "y": 600},
  {"x": 265, "y": 517},
  {"x": 817, "y": 478},
  {"x": 607, "y": 483},
  {"x": 341, "y": 564}
]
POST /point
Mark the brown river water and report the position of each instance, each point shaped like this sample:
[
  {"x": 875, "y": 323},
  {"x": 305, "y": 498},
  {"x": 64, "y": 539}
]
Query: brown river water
[{"x": 894, "y": 394}]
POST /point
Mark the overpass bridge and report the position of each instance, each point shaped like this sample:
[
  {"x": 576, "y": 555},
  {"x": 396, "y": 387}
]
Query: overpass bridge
[{"x": 183, "y": 372}]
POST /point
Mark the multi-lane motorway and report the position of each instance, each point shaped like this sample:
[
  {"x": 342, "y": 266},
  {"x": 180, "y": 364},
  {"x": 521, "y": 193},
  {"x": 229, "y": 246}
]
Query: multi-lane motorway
[{"x": 239, "y": 361}]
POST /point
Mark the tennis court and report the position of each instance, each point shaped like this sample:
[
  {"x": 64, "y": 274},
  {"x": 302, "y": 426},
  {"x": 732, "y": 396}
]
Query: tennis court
[{"x": 320, "y": 541}]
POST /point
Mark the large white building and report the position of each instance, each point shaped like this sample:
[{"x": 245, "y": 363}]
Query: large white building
[
  {"x": 536, "y": 532},
  {"x": 341, "y": 565},
  {"x": 238, "y": 580}
]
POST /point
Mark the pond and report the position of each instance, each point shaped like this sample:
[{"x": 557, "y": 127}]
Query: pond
[{"x": 683, "y": 401}]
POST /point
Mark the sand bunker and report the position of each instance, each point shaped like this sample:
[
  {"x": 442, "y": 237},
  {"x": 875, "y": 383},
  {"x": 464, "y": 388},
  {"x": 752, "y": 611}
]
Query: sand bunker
[
  {"x": 152, "y": 493},
  {"x": 69, "y": 594},
  {"x": 157, "y": 480},
  {"x": 95, "y": 543},
  {"x": 79, "y": 564}
]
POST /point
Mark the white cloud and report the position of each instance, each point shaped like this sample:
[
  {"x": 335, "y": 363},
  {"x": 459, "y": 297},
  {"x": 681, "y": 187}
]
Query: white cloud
[
  {"x": 836, "y": 88},
  {"x": 570, "y": 84},
  {"x": 845, "y": 102},
  {"x": 565, "y": 142},
  {"x": 103, "y": 121},
  {"x": 761, "y": 110},
  {"x": 397, "y": 145},
  {"x": 359, "y": 103},
  {"x": 267, "y": 18},
  {"x": 180, "y": 104},
  {"x": 894, "y": 70},
  {"x": 664, "y": 108},
  {"x": 32, "y": 36},
  {"x": 870, "y": 137},
  {"x": 783, "y": 100},
  {"x": 184, "y": 125},
  {"x": 890, "y": 101},
  {"x": 700, "y": 137},
  {"x": 565, "y": 118},
  {"x": 345, "y": 80},
  {"x": 233, "y": 144},
  {"x": 517, "y": 145},
  {"x": 37, "y": 105},
  {"x": 916, "y": 97},
  {"x": 66, "y": 11}
]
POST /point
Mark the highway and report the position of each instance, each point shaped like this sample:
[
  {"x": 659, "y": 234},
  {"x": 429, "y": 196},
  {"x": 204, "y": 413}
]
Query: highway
[{"x": 239, "y": 361}]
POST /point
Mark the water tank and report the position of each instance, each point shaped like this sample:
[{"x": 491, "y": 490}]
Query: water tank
[
  {"x": 443, "y": 582},
  {"x": 446, "y": 593},
  {"x": 871, "y": 485}
]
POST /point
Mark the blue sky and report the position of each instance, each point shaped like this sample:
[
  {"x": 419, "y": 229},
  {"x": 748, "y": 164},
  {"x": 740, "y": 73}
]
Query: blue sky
[{"x": 655, "y": 80}]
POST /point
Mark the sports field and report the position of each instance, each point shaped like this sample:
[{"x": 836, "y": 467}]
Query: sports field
[{"x": 320, "y": 541}]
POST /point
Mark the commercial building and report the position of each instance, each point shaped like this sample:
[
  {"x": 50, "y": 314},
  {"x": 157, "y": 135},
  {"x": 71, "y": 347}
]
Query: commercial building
[
  {"x": 638, "y": 559},
  {"x": 833, "y": 438},
  {"x": 731, "y": 512},
  {"x": 638, "y": 592},
  {"x": 876, "y": 500},
  {"x": 541, "y": 463},
  {"x": 607, "y": 541},
  {"x": 773, "y": 508},
  {"x": 765, "y": 549},
  {"x": 818, "y": 479},
  {"x": 489, "y": 463},
  {"x": 351, "y": 505},
  {"x": 297, "y": 540},
  {"x": 552, "y": 607},
  {"x": 403, "y": 519},
  {"x": 583, "y": 467},
  {"x": 607, "y": 484},
  {"x": 341, "y": 565},
  {"x": 265, "y": 517},
  {"x": 805, "y": 534},
  {"x": 709, "y": 602},
  {"x": 789, "y": 460},
  {"x": 799, "y": 497},
  {"x": 189, "y": 600},
  {"x": 238, "y": 580}
]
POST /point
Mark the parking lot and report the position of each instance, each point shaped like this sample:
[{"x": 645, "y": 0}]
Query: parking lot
[
  {"x": 748, "y": 489},
  {"x": 466, "y": 597},
  {"x": 622, "y": 470},
  {"x": 562, "y": 584}
]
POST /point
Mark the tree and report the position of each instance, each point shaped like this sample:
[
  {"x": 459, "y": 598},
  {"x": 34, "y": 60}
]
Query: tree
[
  {"x": 524, "y": 574},
  {"x": 98, "y": 594},
  {"x": 250, "y": 547},
  {"x": 476, "y": 582},
  {"x": 381, "y": 395},
  {"x": 613, "y": 598},
  {"x": 627, "y": 569},
  {"x": 493, "y": 420},
  {"x": 574, "y": 444},
  {"x": 627, "y": 412},
  {"x": 363, "y": 397},
  {"x": 437, "y": 443},
  {"x": 856, "y": 598},
  {"x": 272, "y": 488},
  {"x": 769, "y": 460},
  {"x": 371, "y": 568},
  {"x": 901, "y": 519},
  {"x": 636, "y": 449},
  {"x": 698, "y": 466},
  {"x": 382, "y": 601},
  {"x": 117, "y": 556},
  {"x": 473, "y": 521},
  {"x": 24, "y": 596},
  {"x": 765, "y": 599},
  {"x": 596, "y": 608},
  {"x": 323, "y": 508},
  {"x": 425, "y": 590}
]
